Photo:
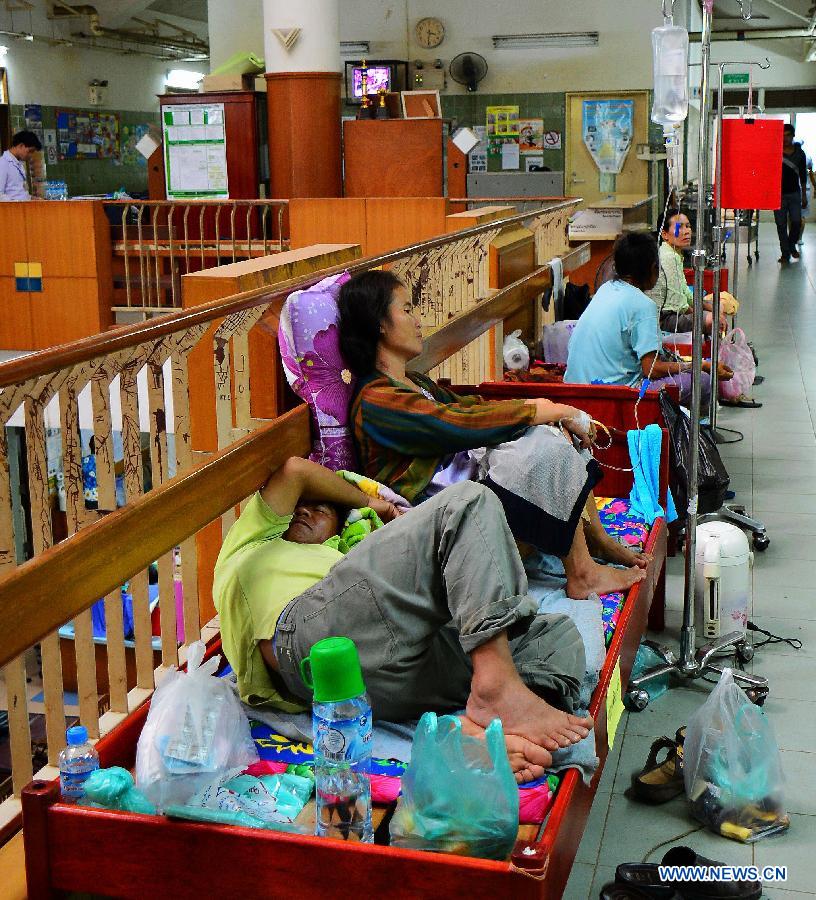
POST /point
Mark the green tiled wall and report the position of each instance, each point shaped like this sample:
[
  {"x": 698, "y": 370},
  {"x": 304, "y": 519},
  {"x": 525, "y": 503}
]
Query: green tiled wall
[
  {"x": 94, "y": 176},
  {"x": 471, "y": 109}
]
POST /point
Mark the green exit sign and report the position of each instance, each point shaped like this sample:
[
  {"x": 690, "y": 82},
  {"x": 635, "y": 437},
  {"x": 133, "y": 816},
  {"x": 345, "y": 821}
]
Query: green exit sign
[{"x": 736, "y": 78}]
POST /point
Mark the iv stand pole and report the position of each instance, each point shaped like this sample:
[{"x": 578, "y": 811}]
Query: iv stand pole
[
  {"x": 687, "y": 662},
  {"x": 691, "y": 664}
]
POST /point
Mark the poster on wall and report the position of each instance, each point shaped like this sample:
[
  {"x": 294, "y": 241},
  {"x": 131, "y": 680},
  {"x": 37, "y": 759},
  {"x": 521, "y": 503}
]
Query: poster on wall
[
  {"x": 551, "y": 140},
  {"x": 477, "y": 158},
  {"x": 607, "y": 127},
  {"x": 195, "y": 151},
  {"x": 531, "y": 135},
  {"x": 87, "y": 134},
  {"x": 503, "y": 152},
  {"x": 131, "y": 135},
  {"x": 502, "y": 121},
  {"x": 32, "y": 116}
]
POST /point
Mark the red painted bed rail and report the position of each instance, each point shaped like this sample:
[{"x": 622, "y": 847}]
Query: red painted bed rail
[{"x": 71, "y": 848}]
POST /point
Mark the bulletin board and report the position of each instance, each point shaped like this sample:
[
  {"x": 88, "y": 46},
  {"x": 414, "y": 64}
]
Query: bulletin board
[
  {"x": 87, "y": 134},
  {"x": 195, "y": 151}
]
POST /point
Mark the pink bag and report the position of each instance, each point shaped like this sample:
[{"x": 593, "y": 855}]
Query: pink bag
[{"x": 736, "y": 354}]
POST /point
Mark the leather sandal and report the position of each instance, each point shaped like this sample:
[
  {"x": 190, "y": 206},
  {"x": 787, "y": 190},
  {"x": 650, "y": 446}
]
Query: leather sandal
[{"x": 659, "y": 782}]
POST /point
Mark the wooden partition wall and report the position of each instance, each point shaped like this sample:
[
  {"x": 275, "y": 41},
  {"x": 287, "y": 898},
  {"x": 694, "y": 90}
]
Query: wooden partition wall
[{"x": 55, "y": 273}]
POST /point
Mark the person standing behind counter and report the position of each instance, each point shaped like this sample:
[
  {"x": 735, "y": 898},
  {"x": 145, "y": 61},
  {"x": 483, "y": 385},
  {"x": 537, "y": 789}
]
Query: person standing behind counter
[{"x": 13, "y": 180}]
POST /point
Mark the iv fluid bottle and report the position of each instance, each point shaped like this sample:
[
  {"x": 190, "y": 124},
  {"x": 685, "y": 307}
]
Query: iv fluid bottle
[
  {"x": 76, "y": 762},
  {"x": 670, "y": 54},
  {"x": 341, "y": 735}
]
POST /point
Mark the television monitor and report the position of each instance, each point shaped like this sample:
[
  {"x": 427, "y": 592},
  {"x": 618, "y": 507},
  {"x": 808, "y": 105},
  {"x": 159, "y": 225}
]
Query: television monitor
[
  {"x": 388, "y": 74},
  {"x": 379, "y": 78}
]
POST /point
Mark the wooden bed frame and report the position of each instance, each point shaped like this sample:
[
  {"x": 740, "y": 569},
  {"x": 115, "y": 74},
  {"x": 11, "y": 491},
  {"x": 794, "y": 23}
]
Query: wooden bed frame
[{"x": 70, "y": 848}]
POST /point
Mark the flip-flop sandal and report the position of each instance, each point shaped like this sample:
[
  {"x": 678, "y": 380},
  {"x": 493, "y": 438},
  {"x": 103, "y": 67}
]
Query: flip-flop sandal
[
  {"x": 742, "y": 402},
  {"x": 659, "y": 782},
  {"x": 616, "y": 891}
]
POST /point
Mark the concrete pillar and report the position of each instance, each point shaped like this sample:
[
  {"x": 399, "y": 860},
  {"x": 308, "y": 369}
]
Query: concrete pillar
[{"x": 303, "y": 98}]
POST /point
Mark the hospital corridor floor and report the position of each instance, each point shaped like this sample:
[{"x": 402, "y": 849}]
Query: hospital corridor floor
[{"x": 773, "y": 471}]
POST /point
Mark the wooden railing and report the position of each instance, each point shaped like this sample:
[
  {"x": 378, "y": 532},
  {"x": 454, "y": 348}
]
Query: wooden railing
[
  {"x": 170, "y": 492},
  {"x": 159, "y": 241}
]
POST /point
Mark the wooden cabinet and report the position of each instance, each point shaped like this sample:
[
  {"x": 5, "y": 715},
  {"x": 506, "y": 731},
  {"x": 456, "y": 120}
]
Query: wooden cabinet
[
  {"x": 55, "y": 273},
  {"x": 241, "y": 111}
]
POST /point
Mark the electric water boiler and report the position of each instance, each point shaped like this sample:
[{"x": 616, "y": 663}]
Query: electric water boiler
[{"x": 723, "y": 580}]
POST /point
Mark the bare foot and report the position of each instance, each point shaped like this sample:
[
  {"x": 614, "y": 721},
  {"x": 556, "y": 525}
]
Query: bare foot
[
  {"x": 607, "y": 548},
  {"x": 597, "y": 579},
  {"x": 524, "y": 714},
  {"x": 527, "y": 760}
]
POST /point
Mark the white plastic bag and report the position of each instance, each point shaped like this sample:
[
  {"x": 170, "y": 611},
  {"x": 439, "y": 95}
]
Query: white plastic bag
[
  {"x": 732, "y": 766},
  {"x": 515, "y": 353},
  {"x": 736, "y": 354},
  {"x": 555, "y": 341},
  {"x": 195, "y": 727}
]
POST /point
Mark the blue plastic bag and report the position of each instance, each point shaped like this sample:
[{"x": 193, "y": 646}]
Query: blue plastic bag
[{"x": 459, "y": 794}]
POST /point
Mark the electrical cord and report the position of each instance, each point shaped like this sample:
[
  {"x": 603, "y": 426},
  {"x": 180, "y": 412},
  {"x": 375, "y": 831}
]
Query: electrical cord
[
  {"x": 771, "y": 638},
  {"x": 671, "y": 840}
]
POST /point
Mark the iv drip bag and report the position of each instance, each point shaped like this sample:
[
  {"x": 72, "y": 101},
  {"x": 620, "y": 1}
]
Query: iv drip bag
[{"x": 670, "y": 54}]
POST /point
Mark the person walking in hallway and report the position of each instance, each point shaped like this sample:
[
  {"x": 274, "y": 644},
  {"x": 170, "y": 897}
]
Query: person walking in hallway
[{"x": 794, "y": 196}]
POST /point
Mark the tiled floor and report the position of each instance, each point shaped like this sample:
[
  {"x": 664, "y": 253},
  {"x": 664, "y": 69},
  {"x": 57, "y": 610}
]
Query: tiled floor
[{"x": 773, "y": 471}]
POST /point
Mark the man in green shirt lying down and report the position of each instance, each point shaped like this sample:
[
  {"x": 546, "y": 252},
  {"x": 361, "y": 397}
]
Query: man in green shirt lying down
[{"x": 436, "y": 602}]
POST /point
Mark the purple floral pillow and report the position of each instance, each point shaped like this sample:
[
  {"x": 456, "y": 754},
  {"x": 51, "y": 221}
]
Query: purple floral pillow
[{"x": 310, "y": 350}]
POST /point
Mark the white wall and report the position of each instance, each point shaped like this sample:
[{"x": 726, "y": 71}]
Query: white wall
[
  {"x": 59, "y": 75},
  {"x": 621, "y": 61},
  {"x": 235, "y": 26}
]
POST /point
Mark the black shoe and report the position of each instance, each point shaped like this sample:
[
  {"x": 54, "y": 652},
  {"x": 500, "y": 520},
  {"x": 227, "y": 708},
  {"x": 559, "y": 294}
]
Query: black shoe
[
  {"x": 616, "y": 891},
  {"x": 646, "y": 877},
  {"x": 795, "y": 252},
  {"x": 758, "y": 379},
  {"x": 784, "y": 260}
]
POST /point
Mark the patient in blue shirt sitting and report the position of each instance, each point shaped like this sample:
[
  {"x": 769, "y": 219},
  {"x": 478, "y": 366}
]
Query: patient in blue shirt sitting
[{"x": 617, "y": 339}]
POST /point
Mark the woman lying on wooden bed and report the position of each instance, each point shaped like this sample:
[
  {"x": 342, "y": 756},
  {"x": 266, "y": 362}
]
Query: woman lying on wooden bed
[
  {"x": 418, "y": 438},
  {"x": 436, "y": 602}
]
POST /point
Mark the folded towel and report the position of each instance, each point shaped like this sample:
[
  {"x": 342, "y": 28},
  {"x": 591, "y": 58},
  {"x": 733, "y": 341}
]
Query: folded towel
[{"x": 644, "y": 451}]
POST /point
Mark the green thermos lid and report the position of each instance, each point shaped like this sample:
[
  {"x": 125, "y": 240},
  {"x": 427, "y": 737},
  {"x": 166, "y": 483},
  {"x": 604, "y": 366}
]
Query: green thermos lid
[{"x": 332, "y": 670}]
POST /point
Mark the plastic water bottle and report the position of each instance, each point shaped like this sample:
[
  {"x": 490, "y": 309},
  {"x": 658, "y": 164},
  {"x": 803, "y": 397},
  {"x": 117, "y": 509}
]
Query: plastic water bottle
[
  {"x": 76, "y": 762},
  {"x": 341, "y": 736},
  {"x": 670, "y": 55}
]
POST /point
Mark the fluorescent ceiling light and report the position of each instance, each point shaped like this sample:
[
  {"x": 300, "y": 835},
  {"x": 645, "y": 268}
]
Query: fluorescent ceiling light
[
  {"x": 554, "y": 39},
  {"x": 3, "y": 51},
  {"x": 183, "y": 78},
  {"x": 355, "y": 48}
]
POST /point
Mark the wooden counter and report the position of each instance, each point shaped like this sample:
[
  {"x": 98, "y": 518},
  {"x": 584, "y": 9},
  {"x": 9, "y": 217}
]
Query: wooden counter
[
  {"x": 55, "y": 273},
  {"x": 393, "y": 158}
]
